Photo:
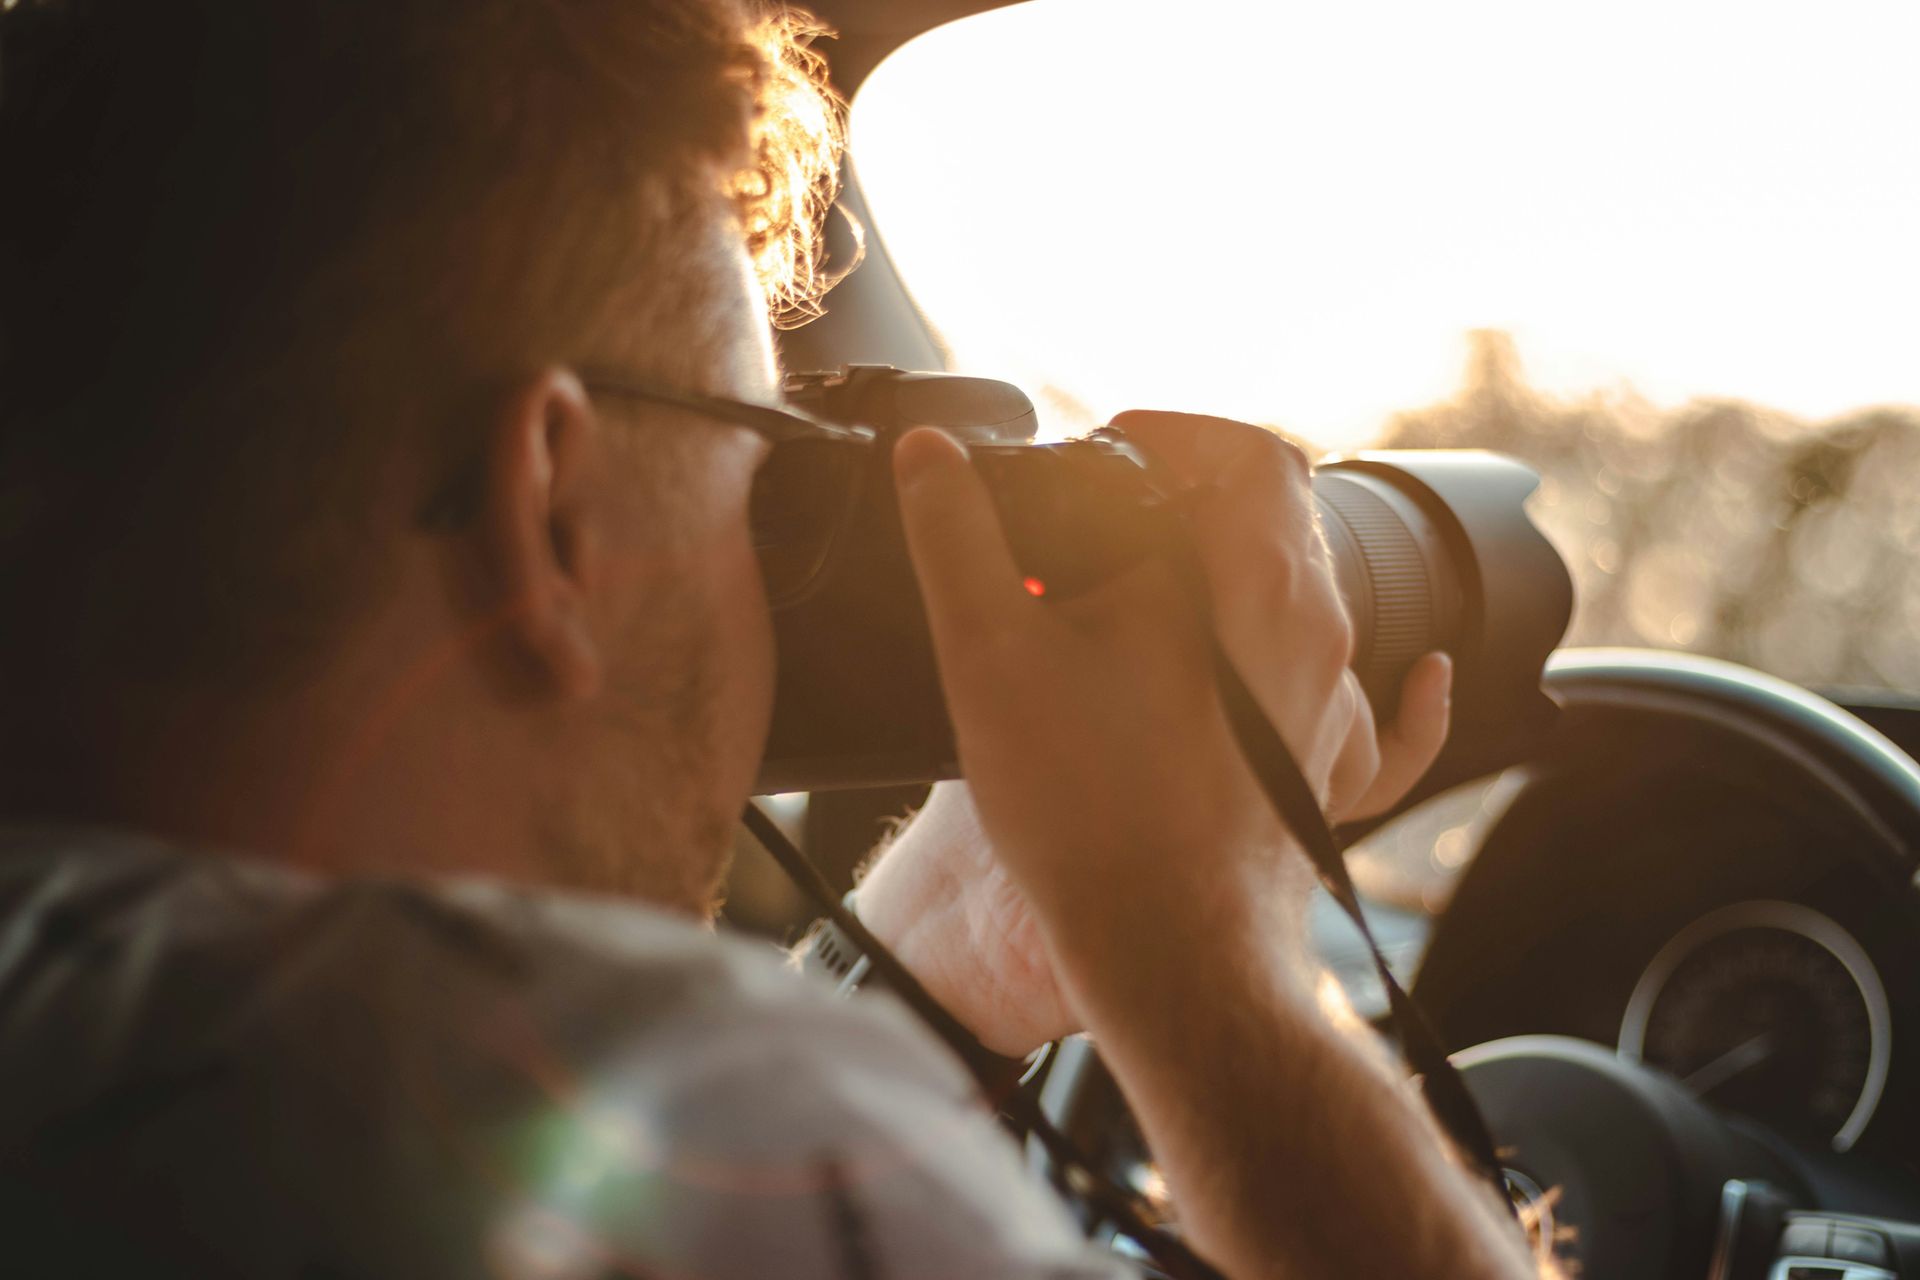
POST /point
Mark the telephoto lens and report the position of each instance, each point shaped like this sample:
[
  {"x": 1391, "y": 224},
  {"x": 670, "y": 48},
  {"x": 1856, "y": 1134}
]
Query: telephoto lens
[{"x": 1432, "y": 550}]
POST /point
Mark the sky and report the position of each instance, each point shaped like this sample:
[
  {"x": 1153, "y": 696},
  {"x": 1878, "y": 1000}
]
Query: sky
[{"x": 1295, "y": 213}]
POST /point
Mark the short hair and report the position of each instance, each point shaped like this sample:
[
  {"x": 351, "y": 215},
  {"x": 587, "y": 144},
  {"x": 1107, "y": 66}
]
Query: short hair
[{"x": 248, "y": 246}]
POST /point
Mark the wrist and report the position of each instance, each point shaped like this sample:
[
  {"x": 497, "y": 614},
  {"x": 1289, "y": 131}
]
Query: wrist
[
  {"x": 833, "y": 956},
  {"x": 1157, "y": 962},
  {"x": 1168, "y": 905},
  {"x": 913, "y": 875}
]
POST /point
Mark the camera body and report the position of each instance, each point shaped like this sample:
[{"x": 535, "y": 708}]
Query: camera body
[{"x": 1432, "y": 550}]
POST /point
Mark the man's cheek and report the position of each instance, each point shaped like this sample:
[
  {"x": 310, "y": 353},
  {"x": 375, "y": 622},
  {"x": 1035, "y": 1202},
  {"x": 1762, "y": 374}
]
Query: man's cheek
[{"x": 744, "y": 619}]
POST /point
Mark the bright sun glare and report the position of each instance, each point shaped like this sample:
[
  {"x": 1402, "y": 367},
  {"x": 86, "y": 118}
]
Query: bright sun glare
[{"x": 1294, "y": 212}]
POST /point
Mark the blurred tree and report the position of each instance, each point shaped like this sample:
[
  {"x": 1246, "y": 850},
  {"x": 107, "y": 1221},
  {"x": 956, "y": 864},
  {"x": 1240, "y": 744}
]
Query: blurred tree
[{"x": 1718, "y": 527}]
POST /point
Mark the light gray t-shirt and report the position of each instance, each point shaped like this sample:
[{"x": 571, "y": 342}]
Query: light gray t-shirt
[{"x": 212, "y": 1067}]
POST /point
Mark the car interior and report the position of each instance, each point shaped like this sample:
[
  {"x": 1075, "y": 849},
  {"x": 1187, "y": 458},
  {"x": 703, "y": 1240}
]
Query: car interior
[{"x": 1672, "y": 939}]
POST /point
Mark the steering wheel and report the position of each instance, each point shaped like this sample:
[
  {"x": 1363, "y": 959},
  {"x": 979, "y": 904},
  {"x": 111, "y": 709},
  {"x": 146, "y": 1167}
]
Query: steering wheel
[{"x": 1633, "y": 1175}]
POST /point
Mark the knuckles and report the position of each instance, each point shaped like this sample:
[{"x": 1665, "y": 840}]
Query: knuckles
[
  {"x": 1292, "y": 459},
  {"x": 1286, "y": 573},
  {"x": 1273, "y": 452},
  {"x": 1207, "y": 448},
  {"x": 1329, "y": 635},
  {"x": 1342, "y": 640}
]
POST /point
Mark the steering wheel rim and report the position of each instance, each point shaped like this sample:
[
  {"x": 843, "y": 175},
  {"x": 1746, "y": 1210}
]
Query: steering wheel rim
[{"x": 1860, "y": 767}]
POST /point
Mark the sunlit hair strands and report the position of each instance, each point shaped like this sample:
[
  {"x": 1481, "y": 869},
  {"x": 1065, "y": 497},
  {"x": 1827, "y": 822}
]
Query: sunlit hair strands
[{"x": 799, "y": 135}]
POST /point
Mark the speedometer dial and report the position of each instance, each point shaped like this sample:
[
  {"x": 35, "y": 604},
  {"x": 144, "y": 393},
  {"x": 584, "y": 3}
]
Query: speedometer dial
[{"x": 1771, "y": 1010}]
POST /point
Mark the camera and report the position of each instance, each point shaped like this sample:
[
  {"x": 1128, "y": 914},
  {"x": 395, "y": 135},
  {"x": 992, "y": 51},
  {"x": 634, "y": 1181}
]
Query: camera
[{"x": 1431, "y": 549}]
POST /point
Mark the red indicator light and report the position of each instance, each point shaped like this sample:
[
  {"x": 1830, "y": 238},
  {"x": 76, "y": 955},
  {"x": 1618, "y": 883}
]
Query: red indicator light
[{"x": 1035, "y": 587}]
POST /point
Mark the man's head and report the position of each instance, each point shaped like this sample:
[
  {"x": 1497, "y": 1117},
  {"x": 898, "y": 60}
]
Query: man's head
[{"x": 274, "y": 274}]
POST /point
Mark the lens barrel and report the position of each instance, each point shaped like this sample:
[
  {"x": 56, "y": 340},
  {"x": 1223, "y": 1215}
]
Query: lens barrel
[
  {"x": 1431, "y": 550},
  {"x": 1401, "y": 588}
]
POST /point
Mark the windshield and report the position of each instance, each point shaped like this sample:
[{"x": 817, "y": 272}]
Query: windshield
[{"x": 1663, "y": 251}]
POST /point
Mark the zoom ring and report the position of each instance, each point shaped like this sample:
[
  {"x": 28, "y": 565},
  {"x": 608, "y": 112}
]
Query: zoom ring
[{"x": 1401, "y": 627}]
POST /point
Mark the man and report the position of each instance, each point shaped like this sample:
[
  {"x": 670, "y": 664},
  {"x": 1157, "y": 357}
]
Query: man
[{"x": 351, "y": 601}]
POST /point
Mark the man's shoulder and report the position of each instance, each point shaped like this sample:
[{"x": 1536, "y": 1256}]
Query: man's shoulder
[
  {"x": 128, "y": 952},
  {"x": 273, "y": 1072}
]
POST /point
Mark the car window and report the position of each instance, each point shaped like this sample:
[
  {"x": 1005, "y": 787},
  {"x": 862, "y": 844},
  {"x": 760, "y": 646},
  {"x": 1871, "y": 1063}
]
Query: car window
[{"x": 1662, "y": 250}]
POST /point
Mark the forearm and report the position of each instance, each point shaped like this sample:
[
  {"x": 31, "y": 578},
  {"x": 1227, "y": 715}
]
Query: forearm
[{"x": 1290, "y": 1144}]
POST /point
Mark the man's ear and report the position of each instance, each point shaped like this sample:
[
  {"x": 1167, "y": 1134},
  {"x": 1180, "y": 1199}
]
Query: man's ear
[{"x": 534, "y": 529}]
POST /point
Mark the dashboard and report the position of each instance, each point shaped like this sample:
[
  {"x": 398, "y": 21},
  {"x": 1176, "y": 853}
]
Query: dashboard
[{"x": 1694, "y": 895}]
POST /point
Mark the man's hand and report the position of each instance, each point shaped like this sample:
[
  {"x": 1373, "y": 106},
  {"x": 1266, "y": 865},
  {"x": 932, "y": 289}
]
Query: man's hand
[
  {"x": 1165, "y": 896},
  {"x": 1090, "y": 730},
  {"x": 953, "y": 914}
]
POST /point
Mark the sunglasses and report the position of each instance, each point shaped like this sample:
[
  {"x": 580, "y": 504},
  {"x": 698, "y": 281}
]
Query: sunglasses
[{"x": 802, "y": 497}]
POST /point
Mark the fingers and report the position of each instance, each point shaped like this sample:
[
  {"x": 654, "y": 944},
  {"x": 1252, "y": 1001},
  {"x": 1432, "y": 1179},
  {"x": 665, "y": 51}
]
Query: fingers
[
  {"x": 1408, "y": 747},
  {"x": 1277, "y": 609},
  {"x": 1356, "y": 749},
  {"x": 1254, "y": 528},
  {"x": 966, "y": 570},
  {"x": 1256, "y": 516},
  {"x": 1196, "y": 448}
]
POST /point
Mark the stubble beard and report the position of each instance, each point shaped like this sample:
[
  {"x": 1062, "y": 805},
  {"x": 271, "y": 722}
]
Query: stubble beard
[{"x": 643, "y": 820}]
